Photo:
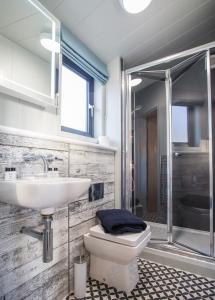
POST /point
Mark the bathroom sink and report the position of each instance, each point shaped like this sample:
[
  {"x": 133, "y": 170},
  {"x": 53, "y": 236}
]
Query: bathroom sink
[{"x": 44, "y": 194}]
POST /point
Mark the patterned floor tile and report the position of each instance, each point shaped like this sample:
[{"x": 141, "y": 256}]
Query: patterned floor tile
[{"x": 157, "y": 282}]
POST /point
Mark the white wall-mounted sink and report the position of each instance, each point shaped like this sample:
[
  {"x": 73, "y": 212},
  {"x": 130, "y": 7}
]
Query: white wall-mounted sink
[{"x": 44, "y": 194}]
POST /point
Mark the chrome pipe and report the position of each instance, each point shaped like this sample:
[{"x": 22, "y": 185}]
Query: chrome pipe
[
  {"x": 31, "y": 232},
  {"x": 46, "y": 236},
  {"x": 47, "y": 239}
]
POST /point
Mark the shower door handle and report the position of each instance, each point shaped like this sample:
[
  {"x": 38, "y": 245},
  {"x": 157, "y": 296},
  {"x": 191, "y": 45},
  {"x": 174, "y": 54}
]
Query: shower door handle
[{"x": 177, "y": 154}]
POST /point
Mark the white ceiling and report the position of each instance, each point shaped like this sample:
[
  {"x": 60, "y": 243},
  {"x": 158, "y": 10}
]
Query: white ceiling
[{"x": 165, "y": 27}]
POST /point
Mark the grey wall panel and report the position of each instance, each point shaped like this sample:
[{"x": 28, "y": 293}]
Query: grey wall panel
[{"x": 23, "y": 275}]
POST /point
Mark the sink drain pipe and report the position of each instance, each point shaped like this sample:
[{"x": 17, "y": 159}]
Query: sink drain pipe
[{"x": 46, "y": 236}]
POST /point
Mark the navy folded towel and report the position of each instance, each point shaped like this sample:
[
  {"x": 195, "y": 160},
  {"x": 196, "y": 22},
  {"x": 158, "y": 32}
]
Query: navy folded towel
[{"x": 118, "y": 221}]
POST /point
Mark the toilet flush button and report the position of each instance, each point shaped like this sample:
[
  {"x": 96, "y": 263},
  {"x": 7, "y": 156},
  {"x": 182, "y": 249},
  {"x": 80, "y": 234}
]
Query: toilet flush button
[{"x": 96, "y": 191}]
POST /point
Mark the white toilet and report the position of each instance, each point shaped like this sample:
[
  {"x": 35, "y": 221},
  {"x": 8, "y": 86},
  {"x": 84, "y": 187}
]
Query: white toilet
[{"x": 113, "y": 258}]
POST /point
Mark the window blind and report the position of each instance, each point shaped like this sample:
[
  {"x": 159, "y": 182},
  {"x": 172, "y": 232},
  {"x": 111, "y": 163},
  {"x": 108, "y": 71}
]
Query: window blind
[{"x": 82, "y": 56}]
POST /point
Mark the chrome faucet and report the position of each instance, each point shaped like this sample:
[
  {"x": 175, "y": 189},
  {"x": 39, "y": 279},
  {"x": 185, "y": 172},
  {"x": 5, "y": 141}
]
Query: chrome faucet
[{"x": 29, "y": 157}]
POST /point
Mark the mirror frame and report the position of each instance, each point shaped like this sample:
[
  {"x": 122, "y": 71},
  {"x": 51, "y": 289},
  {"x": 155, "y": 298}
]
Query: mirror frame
[{"x": 28, "y": 94}]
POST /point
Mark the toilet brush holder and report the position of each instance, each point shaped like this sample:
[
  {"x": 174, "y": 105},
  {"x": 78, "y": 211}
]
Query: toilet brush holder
[{"x": 80, "y": 277}]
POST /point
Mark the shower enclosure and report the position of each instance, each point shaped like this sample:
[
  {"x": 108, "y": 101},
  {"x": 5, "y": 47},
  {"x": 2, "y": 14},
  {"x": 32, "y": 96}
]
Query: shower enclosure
[{"x": 167, "y": 166}]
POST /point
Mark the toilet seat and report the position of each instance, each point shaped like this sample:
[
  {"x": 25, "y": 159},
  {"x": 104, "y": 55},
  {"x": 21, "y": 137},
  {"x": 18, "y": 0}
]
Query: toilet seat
[{"x": 128, "y": 239}]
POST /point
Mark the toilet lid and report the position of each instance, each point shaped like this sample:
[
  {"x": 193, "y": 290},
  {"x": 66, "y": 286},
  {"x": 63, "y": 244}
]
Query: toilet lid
[{"x": 129, "y": 239}]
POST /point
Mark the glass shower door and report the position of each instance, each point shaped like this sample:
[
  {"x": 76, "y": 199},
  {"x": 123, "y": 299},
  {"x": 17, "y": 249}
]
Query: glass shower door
[
  {"x": 191, "y": 157},
  {"x": 149, "y": 163}
]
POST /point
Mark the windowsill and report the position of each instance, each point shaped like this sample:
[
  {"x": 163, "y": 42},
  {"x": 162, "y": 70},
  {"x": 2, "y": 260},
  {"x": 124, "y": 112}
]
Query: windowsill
[
  {"x": 74, "y": 139},
  {"x": 76, "y": 134},
  {"x": 78, "y": 137}
]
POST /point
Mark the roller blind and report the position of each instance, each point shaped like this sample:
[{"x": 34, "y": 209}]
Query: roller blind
[{"x": 82, "y": 56}]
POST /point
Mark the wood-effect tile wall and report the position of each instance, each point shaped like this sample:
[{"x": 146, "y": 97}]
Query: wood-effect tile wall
[{"x": 23, "y": 275}]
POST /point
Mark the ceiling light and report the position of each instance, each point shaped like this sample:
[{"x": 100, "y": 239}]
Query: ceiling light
[
  {"x": 134, "y": 6},
  {"x": 135, "y": 82},
  {"x": 48, "y": 43}
]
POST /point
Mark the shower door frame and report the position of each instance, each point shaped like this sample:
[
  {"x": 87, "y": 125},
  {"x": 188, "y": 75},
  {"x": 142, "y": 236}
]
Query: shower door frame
[{"x": 126, "y": 170}]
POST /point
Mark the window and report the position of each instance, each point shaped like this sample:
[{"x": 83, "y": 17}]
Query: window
[
  {"x": 76, "y": 100},
  {"x": 186, "y": 125},
  {"x": 179, "y": 124}
]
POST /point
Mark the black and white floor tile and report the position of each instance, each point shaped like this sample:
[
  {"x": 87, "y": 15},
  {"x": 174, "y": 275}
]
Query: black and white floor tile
[{"x": 156, "y": 282}]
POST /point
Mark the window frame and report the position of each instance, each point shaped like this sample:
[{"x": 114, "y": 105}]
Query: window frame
[{"x": 66, "y": 62}]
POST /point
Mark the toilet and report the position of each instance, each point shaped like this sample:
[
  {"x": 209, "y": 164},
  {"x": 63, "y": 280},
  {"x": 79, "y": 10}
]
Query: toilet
[{"x": 113, "y": 258}]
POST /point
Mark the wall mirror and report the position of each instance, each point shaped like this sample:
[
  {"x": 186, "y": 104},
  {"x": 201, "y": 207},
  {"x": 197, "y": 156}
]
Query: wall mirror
[{"x": 29, "y": 51}]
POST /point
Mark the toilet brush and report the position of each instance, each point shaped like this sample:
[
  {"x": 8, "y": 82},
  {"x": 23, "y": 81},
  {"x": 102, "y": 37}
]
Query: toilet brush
[{"x": 80, "y": 276}]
